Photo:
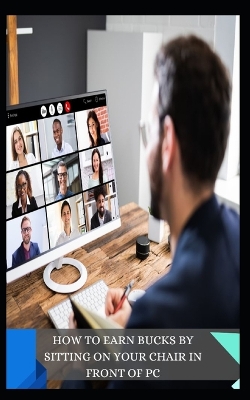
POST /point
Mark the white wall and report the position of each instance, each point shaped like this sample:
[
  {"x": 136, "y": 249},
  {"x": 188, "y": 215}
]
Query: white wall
[
  {"x": 124, "y": 58},
  {"x": 226, "y": 42},
  {"x": 168, "y": 25}
]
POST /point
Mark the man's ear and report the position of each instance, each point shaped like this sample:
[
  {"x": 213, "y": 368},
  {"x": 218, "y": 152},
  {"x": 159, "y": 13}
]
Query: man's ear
[{"x": 168, "y": 143}]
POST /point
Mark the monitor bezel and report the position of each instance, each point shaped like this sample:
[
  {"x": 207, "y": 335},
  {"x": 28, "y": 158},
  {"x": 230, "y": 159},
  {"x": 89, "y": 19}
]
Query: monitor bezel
[{"x": 54, "y": 254}]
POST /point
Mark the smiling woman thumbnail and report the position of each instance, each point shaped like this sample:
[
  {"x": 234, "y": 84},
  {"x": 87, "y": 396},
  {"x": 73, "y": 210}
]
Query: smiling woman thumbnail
[
  {"x": 25, "y": 201},
  {"x": 20, "y": 155}
]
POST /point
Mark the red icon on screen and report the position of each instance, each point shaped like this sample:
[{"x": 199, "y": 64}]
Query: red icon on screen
[{"x": 67, "y": 106}]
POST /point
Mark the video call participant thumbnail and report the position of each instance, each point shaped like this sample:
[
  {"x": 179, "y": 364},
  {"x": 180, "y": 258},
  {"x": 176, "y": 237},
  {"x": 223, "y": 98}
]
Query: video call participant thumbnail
[
  {"x": 102, "y": 215},
  {"x": 20, "y": 155},
  {"x": 61, "y": 148},
  {"x": 94, "y": 129},
  {"x": 98, "y": 177},
  {"x": 25, "y": 201},
  {"x": 27, "y": 249},
  {"x": 62, "y": 176},
  {"x": 67, "y": 233}
]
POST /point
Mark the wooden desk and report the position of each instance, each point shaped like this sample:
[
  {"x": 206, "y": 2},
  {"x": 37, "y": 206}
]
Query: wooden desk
[{"x": 111, "y": 258}]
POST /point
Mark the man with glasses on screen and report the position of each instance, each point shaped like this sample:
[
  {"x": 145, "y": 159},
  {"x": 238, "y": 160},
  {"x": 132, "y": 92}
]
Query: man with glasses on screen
[
  {"x": 27, "y": 249},
  {"x": 62, "y": 176}
]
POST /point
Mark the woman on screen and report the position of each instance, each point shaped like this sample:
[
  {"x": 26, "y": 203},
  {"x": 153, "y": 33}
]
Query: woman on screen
[
  {"x": 67, "y": 233},
  {"x": 20, "y": 156},
  {"x": 94, "y": 129},
  {"x": 25, "y": 201},
  {"x": 98, "y": 177}
]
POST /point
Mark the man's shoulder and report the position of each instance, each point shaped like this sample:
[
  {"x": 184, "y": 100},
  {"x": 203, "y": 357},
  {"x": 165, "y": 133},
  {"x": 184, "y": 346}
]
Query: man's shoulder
[
  {"x": 17, "y": 251},
  {"x": 34, "y": 244},
  {"x": 230, "y": 216},
  {"x": 35, "y": 248},
  {"x": 58, "y": 196},
  {"x": 95, "y": 216},
  {"x": 94, "y": 220},
  {"x": 67, "y": 147}
]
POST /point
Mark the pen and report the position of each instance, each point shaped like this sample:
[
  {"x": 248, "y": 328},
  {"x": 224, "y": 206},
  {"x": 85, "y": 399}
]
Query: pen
[{"x": 125, "y": 295}]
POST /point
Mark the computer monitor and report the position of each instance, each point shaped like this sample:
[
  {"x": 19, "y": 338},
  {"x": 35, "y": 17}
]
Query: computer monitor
[{"x": 60, "y": 171}]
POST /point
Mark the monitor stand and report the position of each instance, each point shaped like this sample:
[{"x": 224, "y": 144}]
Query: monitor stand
[{"x": 58, "y": 264}]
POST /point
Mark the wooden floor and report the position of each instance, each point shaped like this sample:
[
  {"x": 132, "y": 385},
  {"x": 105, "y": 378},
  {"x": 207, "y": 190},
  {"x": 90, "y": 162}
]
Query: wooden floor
[{"x": 111, "y": 258}]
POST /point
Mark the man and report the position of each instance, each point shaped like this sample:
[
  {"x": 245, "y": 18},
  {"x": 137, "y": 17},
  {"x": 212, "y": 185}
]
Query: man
[
  {"x": 188, "y": 133},
  {"x": 101, "y": 216},
  {"x": 61, "y": 147},
  {"x": 62, "y": 176},
  {"x": 28, "y": 249}
]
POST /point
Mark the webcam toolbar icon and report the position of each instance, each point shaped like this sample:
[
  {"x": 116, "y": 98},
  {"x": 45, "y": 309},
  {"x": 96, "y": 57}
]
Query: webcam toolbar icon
[
  {"x": 43, "y": 111},
  {"x": 51, "y": 109},
  {"x": 59, "y": 108}
]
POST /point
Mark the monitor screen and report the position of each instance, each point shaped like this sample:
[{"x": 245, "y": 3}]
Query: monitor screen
[{"x": 61, "y": 190}]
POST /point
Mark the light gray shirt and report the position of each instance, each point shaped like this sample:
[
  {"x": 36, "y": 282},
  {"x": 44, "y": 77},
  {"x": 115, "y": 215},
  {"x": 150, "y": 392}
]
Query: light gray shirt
[
  {"x": 63, "y": 237},
  {"x": 65, "y": 149}
]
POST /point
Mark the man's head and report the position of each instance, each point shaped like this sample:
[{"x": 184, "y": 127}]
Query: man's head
[
  {"x": 26, "y": 230},
  {"x": 57, "y": 132},
  {"x": 99, "y": 194},
  {"x": 190, "y": 118},
  {"x": 62, "y": 175}
]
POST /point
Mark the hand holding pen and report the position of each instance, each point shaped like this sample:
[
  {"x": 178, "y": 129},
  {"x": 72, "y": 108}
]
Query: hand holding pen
[{"x": 125, "y": 295}]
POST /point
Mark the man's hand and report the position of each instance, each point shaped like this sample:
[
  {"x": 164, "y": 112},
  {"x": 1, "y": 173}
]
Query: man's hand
[
  {"x": 72, "y": 321},
  {"x": 112, "y": 300}
]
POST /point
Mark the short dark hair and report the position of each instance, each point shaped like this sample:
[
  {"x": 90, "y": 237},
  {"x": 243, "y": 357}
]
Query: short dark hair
[
  {"x": 99, "y": 190},
  {"x": 56, "y": 120},
  {"x": 195, "y": 91},
  {"x": 25, "y": 218},
  {"x": 61, "y": 164}
]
